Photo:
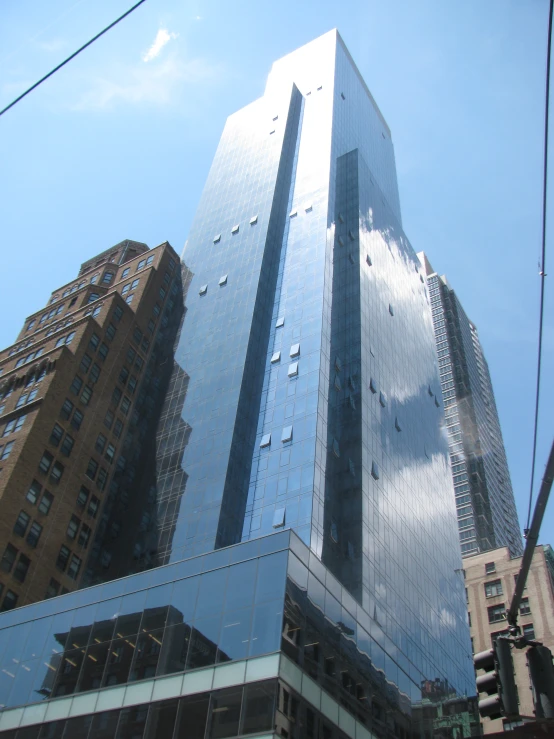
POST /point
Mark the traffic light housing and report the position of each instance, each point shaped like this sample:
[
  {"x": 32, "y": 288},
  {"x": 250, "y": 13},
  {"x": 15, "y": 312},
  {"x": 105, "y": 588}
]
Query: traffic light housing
[
  {"x": 498, "y": 681},
  {"x": 541, "y": 670}
]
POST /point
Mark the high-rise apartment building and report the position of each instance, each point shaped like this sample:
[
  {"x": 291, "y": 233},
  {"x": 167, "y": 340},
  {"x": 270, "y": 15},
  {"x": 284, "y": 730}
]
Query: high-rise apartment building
[
  {"x": 300, "y": 504},
  {"x": 490, "y": 580},
  {"x": 487, "y": 516},
  {"x": 74, "y": 391}
]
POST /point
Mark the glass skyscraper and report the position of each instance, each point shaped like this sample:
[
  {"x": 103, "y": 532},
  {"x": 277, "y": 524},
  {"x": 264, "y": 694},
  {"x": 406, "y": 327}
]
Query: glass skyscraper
[
  {"x": 487, "y": 516},
  {"x": 304, "y": 569}
]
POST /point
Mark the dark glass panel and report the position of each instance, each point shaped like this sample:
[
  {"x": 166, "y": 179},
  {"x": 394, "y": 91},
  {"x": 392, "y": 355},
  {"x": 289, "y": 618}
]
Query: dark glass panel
[
  {"x": 173, "y": 656},
  {"x": 104, "y": 725},
  {"x": 67, "y": 675},
  {"x": 259, "y": 707},
  {"x": 147, "y": 653},
  {"x": 193, "y": 716},
  {"x": 204, "y": 641},
  {"x": 93, "y": 666},
  {"x": 78, "y": 728},
  {"x": 27, "y": 732},
  {"x": 119, "y": 661},
  {"x": 53, "y": 730},
  {"x": 225, "y": 713},
  {"x": 132, "y": 723},
  {"x": 161, "y": 720}
]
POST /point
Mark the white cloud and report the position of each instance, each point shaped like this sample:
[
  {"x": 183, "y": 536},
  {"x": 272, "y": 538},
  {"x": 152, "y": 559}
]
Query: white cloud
[
  {"x": 163, "y": 37},
  {"x": 161, "y": 84}
]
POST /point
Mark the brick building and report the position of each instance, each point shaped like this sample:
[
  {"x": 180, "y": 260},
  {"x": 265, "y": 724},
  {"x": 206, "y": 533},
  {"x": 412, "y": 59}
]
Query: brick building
[
  {"x": 75, "y": 393},
  {"x": 490, "y": 580}
]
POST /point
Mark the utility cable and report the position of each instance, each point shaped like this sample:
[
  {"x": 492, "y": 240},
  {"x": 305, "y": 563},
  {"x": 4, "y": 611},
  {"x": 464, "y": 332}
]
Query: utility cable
[
  {"x": 542, "y": 272},
  {"x": 69, "y": 58}
]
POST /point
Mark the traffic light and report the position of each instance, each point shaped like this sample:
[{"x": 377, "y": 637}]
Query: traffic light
[
  {"x": 498, "y": 681},
  {"x": 542, "y": 678}
]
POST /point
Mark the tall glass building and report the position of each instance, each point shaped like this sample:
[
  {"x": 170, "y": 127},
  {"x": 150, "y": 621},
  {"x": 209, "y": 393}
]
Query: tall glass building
[
  {"x": 301, "y": 570},
  {"x": 487, "y": 515}
]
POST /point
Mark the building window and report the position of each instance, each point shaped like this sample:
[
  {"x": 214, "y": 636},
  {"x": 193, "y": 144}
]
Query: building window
[
  {"x": 92, "y": 468},
  {"x": 34, "y": 492},
  {"x": 74, "y": 567},
  {"x": 524, "y": 607},
  {"x": 493, "y": 588},
  {"x": 295, "y": 350},
  {"x": 21, "y": 568},
  {"x": 86, "y": 395},
  {"x": 497, "y": 613},
  {"x": 469, "y": 619},
  {"x": 8, "y": 558},
  {"x": 67, "y": 445},
  {"x": 490, "y": 567},
  {"x": 53, "y": 589},
  {"x": 45, "y": 503},
  {"x": 103, "y": 351},
  {"x": 275, "y": 357},
  {"x": 57, "y": 472},
  {"x": 10, "y": 601},
  {"x": 82, "y": 496},
  {"x": 93, "y": 506},
  {"x": 66, "y": 409},
  {"x": 110, "y": 332},
  {"x": 125, "y": 405},
  {"x": 63, "y": 558},
  {"x": 266, "y": 440},
  {"x": 86, "y": 361},
  {"x": 110, "y": 453},
  {"x": 375, "y": 470},
  {"x": 102, "y": 478},
  {"x": 46, "y": 462},
  {"x": 5, "y": 450},
  {"x": 76, "y": 385},
  {"x": 286, "y": 434},
  {"x": 56, "y": 435},
  {"x": 34, "y": 534},
  {"x": 94, "y": 373},
  {"x": 528, "y": 631},
  {"x": 293, "y": 369},
  {"x": 84, "y": 536},
  {"x": 73, "y": 527},
  {"x": 14, "y": 425},
  {"x": 107, "y": 278},
  {"x": 77, "y": 420},
  {"x": 100, "y": 443},
  {"x": 118, "y": 428},
  {"x": 125, "y": 272},
  {"x": 21, "y": 524}
]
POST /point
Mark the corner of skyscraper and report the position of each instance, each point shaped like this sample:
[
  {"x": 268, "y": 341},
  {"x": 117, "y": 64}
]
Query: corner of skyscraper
[{"x": 274, "y": 543}]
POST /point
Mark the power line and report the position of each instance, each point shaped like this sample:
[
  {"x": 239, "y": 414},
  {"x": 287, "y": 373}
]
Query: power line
[
  {"x": 543, "y": 261},
  {"x": 69, "y": 58}
]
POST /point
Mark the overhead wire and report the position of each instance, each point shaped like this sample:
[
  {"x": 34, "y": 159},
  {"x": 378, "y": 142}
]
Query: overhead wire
[
  {"x": 542, "y": 267},
  {"x": 69, "y": 58}
]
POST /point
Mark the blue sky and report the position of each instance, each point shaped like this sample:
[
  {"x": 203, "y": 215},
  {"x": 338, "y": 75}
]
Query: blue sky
[{"x": 118, "y": 145}]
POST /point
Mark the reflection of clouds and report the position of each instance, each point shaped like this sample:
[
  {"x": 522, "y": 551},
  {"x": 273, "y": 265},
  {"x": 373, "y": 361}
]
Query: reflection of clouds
[{"x": 390, "y": 247}]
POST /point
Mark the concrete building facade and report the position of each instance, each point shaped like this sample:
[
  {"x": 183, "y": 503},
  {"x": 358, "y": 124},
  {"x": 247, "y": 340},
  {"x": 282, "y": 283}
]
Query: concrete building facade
[{"x": 490, "y": 579}]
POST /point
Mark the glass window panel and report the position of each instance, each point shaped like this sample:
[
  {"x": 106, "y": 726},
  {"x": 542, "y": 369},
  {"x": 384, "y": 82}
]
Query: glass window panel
[
  {"x": 104, "y": 725},
  {"x": 119, "y": 661},
  {"x": 235, "y": 635},
  {"x": 225, "y": 713},
  {"x": 267, "y": 625},
  {"x": 192, "y": 717},
  {"x": 240, "y": 585},
  {"x": 173, "y": 656},
  {"x": 211, "y": 593},
  {"x": 271, "y": 576},
  {"x": 78, "y": 727},
  {"x": 66, "y": 678},
  {"x": 132, "y": 722},
  {"x": 204, "y": 641},
  {"x": 147, "y": 653},
  {"x": 183, "y": 600},
  {"x": 259, "y": 707},
  {"x": 161, "y": 720},
  {"x": 93, "y": 667},
  {"x": 130, "y": 614}
]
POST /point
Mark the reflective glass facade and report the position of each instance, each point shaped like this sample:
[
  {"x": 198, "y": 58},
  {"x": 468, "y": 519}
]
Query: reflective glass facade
[
  {"x": 487, "y": 516},
  {"x": 302, "y": 505}
]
